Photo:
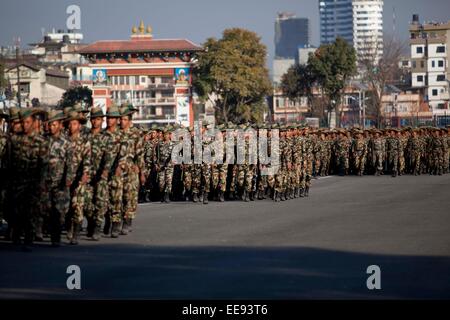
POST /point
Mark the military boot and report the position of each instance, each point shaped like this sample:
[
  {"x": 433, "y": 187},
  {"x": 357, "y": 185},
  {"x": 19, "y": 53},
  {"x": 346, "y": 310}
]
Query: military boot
[
  {"x": 307, "y": 192},
  {"x": 221, "y": 196},
  {"x": 115, "y": 229},
  {"x": 167, "y": 197},
  {"x": 107, "y": 225},
  {"x": 291, "y": 194},
  {"x": 38, "y": 236},
  {"x": 205, "y": 198},
  {"x": 70, "y": 231},
  {"x": 276, "y": 197},
  {"x": 76, "y": 233},
  {"x": 283, "y": 196},
  {"x": 195, "y": 197},
  {"x": 252, "y": 196},
  {"x": 90, "y": 227},
  {"x": 96, "y": 233},
  {"x": 125, "y": 226},
  {"x": 302, "y": 192},
  {"x": 245, "y": 196},
  {"x": 260, "y": 194},
  {"x": 295, "y": 193}
]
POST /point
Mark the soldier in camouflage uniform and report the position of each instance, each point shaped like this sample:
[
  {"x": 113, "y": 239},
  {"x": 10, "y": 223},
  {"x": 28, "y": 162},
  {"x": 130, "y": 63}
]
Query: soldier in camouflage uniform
[
  {"x": 80, "y": 160},
  {"x": 281, "y": 175},
  {"x": 359, "y": 152},
  {"x": 414, "y": 151},
  {"x": 115, "y": 185},
  {"x": 28, "y": 153},
  {"x": 378, "y": 147},
  {"x": 150, "y": 156},
  {"x": 219, "y": 170},
  {"x": 392, "y": 150},
  {"x": 57, "y": 175},
  {"x": 101, "y": 163},
  {"x": 165, "y": 165},
  {"x": 132, "y": 166},
  {"x": 342, "y": 153},
  {"x": 402, "y": 142}
]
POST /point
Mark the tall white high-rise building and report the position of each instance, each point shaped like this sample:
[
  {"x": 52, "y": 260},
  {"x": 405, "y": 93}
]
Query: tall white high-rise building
[{"x": 359, "y": 22}]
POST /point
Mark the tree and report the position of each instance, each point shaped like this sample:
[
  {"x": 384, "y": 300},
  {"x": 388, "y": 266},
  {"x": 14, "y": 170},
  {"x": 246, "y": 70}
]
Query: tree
[
  {"x": 298, "y": 82},
  {"x": 232, "y": 73},
  {"x": 333, "y": 64},
  {"x": 76, "y": 95},
  {"x": 378, "y": 71}
]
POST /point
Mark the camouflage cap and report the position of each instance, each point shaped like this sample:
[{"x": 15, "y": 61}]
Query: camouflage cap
[
  {"x": 127, "y": 110},
  {"x": 113, "y": 112},
  {"x": 96, "y": 112},
  {"x": 55, "y": 115},
  {"x": 79, "y": 108},
  {"x": 14, "y": 114},
  {"x": 27, "y": 112},
  {"x": 75, "y": 115}
]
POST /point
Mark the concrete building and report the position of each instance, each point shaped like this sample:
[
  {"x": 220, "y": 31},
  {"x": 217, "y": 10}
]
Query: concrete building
[
  {"x": 359, "y": 22},
  {"x": 430, "y": 43},
  {"x": 152, "y": 74},
  {"x": 290, "y": 34},
  {"x": 45, "y": 84}
]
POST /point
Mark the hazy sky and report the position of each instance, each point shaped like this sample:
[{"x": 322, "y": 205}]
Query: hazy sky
[{"x": 195, "y": 20}]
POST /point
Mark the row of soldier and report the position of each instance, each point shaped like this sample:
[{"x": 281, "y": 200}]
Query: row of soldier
[{"x": 58, "y": 172}]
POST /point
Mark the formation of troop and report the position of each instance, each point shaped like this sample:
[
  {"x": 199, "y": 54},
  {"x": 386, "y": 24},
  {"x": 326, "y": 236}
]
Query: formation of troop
[{"x": 57, "y": 171}]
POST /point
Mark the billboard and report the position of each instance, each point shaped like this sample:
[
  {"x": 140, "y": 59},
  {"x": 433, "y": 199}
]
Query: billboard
[
  {"x": 99, "y": 77},
  {"x": 182, "y": 76},
  {"x": 183, "y": 110}
]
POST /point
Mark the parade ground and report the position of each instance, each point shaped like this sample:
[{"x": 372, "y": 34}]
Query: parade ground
[{"x": 307, "y": 248}]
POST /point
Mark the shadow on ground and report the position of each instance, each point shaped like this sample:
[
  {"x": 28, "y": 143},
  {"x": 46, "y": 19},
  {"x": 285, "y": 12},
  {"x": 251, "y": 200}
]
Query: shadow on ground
[{"x": 129, "y": 271}]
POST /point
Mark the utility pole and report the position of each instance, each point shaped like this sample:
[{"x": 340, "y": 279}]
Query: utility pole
[{"x": 19, "y": 97}]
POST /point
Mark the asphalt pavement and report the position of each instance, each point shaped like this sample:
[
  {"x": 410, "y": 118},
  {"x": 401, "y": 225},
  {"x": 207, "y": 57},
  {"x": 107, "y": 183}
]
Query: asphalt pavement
[{"x": 308, "y": 248}]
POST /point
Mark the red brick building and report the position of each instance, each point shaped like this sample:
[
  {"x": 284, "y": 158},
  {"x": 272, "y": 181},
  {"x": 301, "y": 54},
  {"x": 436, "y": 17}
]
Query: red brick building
[{"x": 152, "y": 74}]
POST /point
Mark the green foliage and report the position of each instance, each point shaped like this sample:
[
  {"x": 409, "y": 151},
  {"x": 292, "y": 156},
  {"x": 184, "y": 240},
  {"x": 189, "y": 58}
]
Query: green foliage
[
  {"x": 333, "y": 64},
  {"x": 233, "y": 71},
  {"x": 74, "y": 95},
  {"x": 3, "y": 82}
]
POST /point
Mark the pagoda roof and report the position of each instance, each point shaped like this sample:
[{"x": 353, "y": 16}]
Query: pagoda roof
[{"x": 151, "y": 45}]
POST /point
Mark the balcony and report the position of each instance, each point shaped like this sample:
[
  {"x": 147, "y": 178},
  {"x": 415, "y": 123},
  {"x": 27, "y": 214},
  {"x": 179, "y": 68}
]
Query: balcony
[{"x": 161, "y": 86}]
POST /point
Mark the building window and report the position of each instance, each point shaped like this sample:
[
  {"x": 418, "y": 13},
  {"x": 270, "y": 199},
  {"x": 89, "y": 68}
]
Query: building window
[
  {"x": 440, "y": 49},
  {"x": 419, "y": 50},
  {"x": 441, "y": 63},
  {"x": 419, "y": 78},
  {"x": 136, "y": 80},
  {"x": 433, "y": 64},
  {"x": 440, "y": 77},
  {"x": 414, "y": 64},
  {"x": 122, "y": 80},
  {"x": 434, "y": 92},
  {"x": 422, "y": 64}
]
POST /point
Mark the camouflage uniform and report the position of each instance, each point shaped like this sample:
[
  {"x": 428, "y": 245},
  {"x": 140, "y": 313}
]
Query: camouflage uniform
[
  {"x": 28, "y": 158},
  {"x": 377, "y": 146},
  {"x": 359, "y": 150},
  {"x": 414, "y": 151},
  {"x": 392, "y": 149},
  {"x": 343, "y": 154},
  {"x": 165, "y": 167},
  {"x": 101, "y": 162},
  {"x": 131, "y": 162},
  {"x": 115, "y": 184},
  {"x": 55, "y": 193},
  {"x": 80, "y": 160}
]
